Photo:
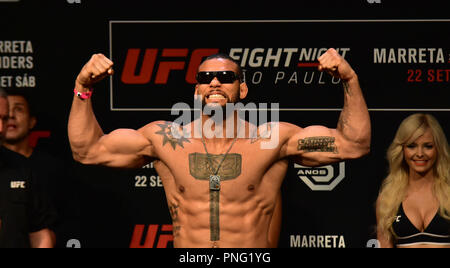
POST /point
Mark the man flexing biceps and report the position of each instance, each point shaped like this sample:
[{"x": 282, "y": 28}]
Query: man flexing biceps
[{"x": 224, "y": 190}]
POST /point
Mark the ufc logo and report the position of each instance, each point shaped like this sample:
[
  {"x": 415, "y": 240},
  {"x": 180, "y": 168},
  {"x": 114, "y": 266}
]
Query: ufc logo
[
  {"x": 171, "y": 59},
  {"x": 18, "y": 185},
  {"x": 142, "y": 240}
]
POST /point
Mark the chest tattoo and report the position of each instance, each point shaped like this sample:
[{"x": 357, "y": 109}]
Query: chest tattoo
[{"x": 215, "y": 168}]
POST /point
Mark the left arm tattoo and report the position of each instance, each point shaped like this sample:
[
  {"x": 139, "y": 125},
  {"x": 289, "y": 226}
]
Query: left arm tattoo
[{"x": 318, "y": 144}]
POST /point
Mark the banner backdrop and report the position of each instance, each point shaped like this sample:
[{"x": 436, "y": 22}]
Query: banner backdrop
[{"x": 402, "y": 60}]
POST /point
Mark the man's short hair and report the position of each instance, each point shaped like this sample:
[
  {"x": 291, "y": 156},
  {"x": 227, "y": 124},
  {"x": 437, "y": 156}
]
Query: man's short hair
[
  {"x": 27, "y": 96},
  {"x": 3, "y": 93},
  {"x": 227, "y": 57}
]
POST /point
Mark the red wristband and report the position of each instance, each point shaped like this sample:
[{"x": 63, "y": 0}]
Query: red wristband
[{"x": 83, "y": 95}]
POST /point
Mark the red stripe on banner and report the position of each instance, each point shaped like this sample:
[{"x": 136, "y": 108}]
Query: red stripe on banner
[
  {"x": 175, "y": 52},
  {"x": 36, "y": 135},
  {"x": 308, "y": 64}
]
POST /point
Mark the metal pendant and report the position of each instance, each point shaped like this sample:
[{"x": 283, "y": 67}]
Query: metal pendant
[{"x": 214, "y": 182}]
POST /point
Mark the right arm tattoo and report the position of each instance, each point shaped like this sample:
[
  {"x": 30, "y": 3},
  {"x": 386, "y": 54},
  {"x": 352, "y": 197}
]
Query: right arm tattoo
[
  {"x": 167, "y": 130},
  {"x": 173, "y": 209}
]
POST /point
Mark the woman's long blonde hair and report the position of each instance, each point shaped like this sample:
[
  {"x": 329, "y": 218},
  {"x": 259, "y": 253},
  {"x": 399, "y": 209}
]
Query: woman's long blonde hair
[{"x": 394, "y": 186}]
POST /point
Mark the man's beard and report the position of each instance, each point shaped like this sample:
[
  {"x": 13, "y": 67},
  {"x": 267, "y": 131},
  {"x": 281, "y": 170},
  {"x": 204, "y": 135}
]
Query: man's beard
[
  {"x": 204, "y": 104},
  {"x": 225, "y": 111},
  {"x": 231, "y": 100}
]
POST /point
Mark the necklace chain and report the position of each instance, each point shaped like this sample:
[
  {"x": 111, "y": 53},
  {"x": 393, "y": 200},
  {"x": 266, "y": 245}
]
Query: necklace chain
[
  {"x": 223, "y": 159},
  {"x": 214, "y": 179}
]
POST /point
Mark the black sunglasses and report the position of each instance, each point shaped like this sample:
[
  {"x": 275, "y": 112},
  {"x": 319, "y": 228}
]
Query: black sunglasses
[{"x": 225, "y": 77}]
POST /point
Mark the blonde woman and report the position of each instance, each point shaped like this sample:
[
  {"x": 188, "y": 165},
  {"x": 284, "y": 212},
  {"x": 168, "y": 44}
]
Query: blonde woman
[{"x": 413, "y": 207}]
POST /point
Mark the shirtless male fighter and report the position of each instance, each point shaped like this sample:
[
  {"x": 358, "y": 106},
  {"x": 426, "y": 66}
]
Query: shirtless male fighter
[{"x": 223, "y": 191}]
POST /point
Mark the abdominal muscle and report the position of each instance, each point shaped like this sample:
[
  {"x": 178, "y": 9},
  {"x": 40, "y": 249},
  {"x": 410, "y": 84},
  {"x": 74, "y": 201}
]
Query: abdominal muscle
[
  {"x": 242, "y": 224},
  {"x": 246, "y": 207}
]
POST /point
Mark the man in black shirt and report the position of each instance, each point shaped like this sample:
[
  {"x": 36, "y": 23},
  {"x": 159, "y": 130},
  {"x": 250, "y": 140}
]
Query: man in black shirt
[{"x": 25, "y": 214}]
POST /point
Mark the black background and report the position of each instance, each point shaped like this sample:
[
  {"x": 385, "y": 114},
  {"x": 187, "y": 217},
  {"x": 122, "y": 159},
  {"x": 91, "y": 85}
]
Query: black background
[{"x": 105, "y": 205}]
